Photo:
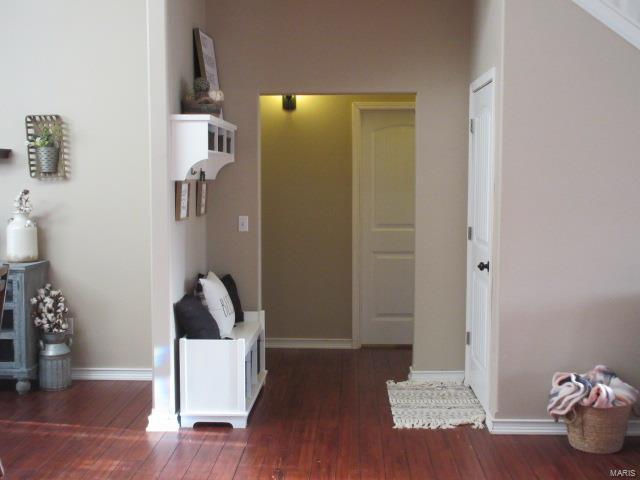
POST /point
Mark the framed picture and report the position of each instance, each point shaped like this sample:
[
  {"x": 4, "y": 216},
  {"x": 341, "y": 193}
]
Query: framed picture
[
  {"x": 183, "y": 196},
  {"x": 206, "y": 56},
  {"x": 201, "y": 198}
]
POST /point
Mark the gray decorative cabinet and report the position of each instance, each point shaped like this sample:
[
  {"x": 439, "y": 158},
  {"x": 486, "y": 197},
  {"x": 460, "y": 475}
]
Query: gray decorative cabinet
[{"x": 18, "y": 335}]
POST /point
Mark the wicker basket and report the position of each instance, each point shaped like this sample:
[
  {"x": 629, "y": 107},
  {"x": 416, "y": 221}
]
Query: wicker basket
[{"x": 598, "y": 430}]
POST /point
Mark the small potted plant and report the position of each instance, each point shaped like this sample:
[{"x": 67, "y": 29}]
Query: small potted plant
[
  {"x": 50, "y": 313},
  {"x": 47, "y": 145},
  {"x": 202, "y": 99}
]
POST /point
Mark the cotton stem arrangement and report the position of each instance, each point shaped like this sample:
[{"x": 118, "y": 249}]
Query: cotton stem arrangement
[{"x": 49, "y": 310}]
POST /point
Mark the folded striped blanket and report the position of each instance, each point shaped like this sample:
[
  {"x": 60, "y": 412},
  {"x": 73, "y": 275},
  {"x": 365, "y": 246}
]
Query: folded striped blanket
[
  {"x": 567, "y": 390},
  {"x": 601, "y": 396},
  {"x": 600, "y": 374},
  {"x": 599, "y": 388},
  {"x": 623, "y": 393}
]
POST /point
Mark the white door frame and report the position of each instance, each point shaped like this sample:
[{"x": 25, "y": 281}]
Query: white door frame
[
  {"x": 483, "y": 80},
  {"x": 356, "y": 122}
]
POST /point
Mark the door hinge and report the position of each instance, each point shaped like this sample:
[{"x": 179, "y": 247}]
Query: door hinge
[
  {"x": 468, "y": 338},
  {"x": 469, "y": 233},
  {"x": 471, "y": 125}
]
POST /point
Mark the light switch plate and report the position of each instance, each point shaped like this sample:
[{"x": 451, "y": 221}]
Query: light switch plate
[{"x": 243, "y": 223}]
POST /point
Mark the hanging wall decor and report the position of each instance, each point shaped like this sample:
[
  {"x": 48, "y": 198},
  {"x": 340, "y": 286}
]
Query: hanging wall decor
[
  {"x": 201, "y": 198},
  {"x": 183, "y": 198},
  {"x": 47, "y": 146}
]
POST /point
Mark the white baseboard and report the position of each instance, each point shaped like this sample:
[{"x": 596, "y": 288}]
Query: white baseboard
[
  {"x": 436, "y": 375},
  {"x": 111, "y": 374},
  {"x": 329, "y": 343},
  {"x": 163, "y": 422},
  {"x": 543, "y": 426}
]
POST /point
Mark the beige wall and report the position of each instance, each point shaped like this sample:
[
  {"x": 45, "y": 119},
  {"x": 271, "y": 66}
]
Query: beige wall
[
  {"x": 97, "y": 224},
  {"x": 94, "y": 227},
  {"x": 569, "y": 288},
  {"x": 487, "y": 30},
  {"x": 306, "y": 214},
  {"x": 188, "y": 237},
  {"x": 320, "y": 47}
]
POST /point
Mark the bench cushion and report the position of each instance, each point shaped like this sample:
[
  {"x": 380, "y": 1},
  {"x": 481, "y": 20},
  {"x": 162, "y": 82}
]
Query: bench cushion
[{"x": 194, "y": 319}]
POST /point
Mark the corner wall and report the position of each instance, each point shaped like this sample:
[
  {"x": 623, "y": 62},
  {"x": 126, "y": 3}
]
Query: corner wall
[
  {"x": 178, "y": 248},
  {"x": 94, "y": 227},
  {"x": 189, "y": 236},
  {"x": 570, "y": 288},
  {"x": 368, "y": 47}
]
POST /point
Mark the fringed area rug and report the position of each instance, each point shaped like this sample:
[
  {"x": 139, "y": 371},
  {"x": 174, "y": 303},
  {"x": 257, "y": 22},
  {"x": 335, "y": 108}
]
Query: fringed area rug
[{"x": 418, "y": 404}]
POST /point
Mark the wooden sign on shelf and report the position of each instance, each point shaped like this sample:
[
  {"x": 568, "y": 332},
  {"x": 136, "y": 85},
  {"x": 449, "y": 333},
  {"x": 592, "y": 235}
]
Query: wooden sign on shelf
[{"x": 206, "y": 65}]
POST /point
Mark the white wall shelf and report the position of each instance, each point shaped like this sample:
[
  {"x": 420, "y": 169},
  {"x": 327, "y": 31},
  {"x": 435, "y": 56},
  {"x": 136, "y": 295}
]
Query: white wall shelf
[
  {"x": 220, "y": 379},
  {"x": 201, "y": 142}
]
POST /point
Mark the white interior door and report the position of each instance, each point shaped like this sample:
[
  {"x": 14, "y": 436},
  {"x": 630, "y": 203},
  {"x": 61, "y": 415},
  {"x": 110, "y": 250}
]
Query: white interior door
[
  {"x": 480, "y": 221},
  {"x": 386, "y": 211}
]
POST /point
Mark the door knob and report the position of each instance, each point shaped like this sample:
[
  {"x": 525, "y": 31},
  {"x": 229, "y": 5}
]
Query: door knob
[{"x": 483, "y": 266}]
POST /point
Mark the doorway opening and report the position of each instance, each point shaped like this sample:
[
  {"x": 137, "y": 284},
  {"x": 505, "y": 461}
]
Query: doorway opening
[{"x": 337, "y": 207}]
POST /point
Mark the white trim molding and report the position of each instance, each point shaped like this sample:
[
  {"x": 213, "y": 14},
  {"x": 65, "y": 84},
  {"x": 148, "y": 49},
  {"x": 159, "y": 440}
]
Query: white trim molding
[
  {"x": 143, "y": 374},
  {"x": 436, "y": 375},
  {"x": 163, "y": 422},
  {"x": 327, "y": 343},
  {"x": 621, "y": 18},
  {"x": 544, "y": 426}
]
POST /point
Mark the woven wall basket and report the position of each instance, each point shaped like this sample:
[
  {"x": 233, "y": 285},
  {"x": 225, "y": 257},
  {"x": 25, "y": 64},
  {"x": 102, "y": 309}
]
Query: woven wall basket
[{"x": 598, "y": 430}]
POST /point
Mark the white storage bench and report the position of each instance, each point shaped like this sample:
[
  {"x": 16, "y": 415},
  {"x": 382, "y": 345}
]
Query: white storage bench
[{"x": 221, "y": 379}]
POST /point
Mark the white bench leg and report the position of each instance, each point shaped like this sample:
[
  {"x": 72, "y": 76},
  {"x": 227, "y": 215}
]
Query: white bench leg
[
  {"x": 186, "y": 422},
  {"x": 239, "y": 423}
]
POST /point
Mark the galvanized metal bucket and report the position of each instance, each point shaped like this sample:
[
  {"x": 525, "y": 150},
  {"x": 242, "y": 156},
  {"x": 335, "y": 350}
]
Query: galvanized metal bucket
[
  {"x": 48, "y": 159},
  {"x": 55, "y": 361}
]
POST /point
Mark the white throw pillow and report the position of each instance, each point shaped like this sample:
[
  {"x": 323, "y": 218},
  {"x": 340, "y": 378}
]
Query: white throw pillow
[{"x": 219, "y": 304}]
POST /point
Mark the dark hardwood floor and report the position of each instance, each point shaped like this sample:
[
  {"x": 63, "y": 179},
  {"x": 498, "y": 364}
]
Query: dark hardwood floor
[{"x": 323, "y": 414}]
